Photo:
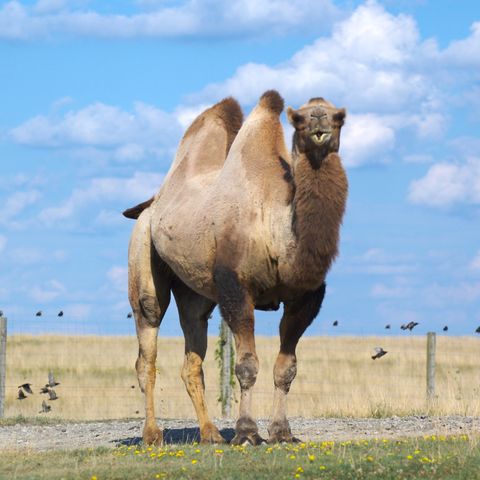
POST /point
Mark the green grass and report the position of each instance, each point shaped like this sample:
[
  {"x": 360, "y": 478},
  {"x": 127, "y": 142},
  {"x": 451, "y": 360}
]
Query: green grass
[{"x": 432, "y": 457}]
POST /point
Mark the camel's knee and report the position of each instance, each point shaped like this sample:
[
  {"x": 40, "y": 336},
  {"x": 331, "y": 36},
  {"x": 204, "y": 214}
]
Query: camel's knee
[
  {"x": 150, "y": 309},
  {"x": 192, "y": 372},
  {"x": 246, "y": 370},
  {"x": 284, "y": 371}
]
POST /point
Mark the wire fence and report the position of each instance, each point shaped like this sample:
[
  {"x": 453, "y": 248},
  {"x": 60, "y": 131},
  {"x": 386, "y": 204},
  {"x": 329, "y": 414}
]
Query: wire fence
[{"x": 336, "y": 375}]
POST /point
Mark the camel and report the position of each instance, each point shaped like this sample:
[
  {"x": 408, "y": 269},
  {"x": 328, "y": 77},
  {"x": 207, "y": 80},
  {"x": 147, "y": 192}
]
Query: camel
[{"x": 249, "y": 231}]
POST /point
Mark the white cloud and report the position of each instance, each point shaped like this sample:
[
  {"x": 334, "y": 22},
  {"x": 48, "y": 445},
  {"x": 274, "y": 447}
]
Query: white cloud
[
  {"x": 118, "y": 277},
  {"x": 109, "y": 189},
  {"x": 376, "y": 261},
  {"x": 78, "y": 311},
  {"x": 418, "y": 158},
  {"x": 46, "y": 18},
  {"x": 366, "y": 139},
  {"x": 475, "y": 263},
  {"x": 465, "y": 52},
  {"x": 47, "y": 292},
  {"x": 400, "y": 289},
  {"x": 443, "y": 295},
  {"x": 447, "y": 184},
  {"x": 16, "y": 203},
  {"x": 102, "y": 125}
]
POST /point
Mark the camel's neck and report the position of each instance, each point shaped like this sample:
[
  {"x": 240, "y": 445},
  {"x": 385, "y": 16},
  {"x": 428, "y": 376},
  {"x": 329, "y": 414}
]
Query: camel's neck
[{"x": 318, "y": 207}]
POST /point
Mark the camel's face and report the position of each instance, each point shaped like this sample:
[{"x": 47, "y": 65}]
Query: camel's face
[{"x": 317, "y": 129}]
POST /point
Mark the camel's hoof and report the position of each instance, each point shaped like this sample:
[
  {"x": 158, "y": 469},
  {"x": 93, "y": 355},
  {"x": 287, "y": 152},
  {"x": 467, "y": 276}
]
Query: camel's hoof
[
  {"x": 283, "y": 439},
  {"x": 248, "y": 439},
  {"x": 153, "y": 436},
  {"x": 210, "y": 434},
  {"x": 279, "y": 432}
]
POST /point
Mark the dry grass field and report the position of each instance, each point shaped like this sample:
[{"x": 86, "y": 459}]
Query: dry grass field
[{"x": 336, "y": 377}]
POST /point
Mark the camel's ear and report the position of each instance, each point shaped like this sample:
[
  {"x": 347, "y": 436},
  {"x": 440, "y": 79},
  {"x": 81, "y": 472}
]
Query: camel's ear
[
  {"x": 296, "y": 120},
  {"x": 339, "y": 115}
]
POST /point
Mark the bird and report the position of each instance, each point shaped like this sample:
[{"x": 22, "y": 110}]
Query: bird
[
  {"x": 45, "y": 407},
  {"x": 52, "y": 394},
  {"x": 129, "y": 315},
  {"x": 38, "y": 314},
  {"x": 21, "y": 395},
  {"x": 412, "y": 325},
  {"x": 387, "y": 326},
  {"x": 44, "y": 389},
  {"x": 1, "y": 313},
  {"x": 335, "y": 323},
  {"x": 378, "y": 353},
  {"x": 27, "y": 387},
  {"x": 445, "y": 328},
  {"x": 60, "y": 313},
  {"x": 51, "y": 380},
  {"x": 477, "y": 330},
  {"x": 403, "y": 327}
]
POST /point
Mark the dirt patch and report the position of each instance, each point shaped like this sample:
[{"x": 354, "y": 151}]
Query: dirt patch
[{"x": 114, "y": 433}]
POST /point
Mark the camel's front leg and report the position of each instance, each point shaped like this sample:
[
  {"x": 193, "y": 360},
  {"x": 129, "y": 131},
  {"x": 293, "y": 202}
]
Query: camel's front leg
[
  {"x": 297, "y": 316},
  {"x": 237, "y": 309}
]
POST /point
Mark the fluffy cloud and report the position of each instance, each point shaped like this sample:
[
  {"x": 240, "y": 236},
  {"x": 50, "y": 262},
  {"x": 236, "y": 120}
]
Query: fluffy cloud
[
  {"x": 130, "y": 135},
  {"x": 378, "y": 262},
  {"x": 16, "y": 203},
  {"x": 109, "y": 189},
  {"x": 447, "y": 184},
  {"x": 400, "y": 289},
  {"x": 19, "y": 21},
  {"x": 47, "y": 292}
]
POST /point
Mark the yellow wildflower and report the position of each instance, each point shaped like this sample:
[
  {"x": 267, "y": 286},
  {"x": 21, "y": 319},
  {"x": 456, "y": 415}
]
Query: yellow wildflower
[
  {"x": 194, "y": 461},
  {"x": 299, "y": 470},
  {"x": 311, "y": 457}
]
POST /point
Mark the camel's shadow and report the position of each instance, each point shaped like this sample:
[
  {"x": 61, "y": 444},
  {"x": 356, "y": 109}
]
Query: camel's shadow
[{"x": 176, "y": 436}]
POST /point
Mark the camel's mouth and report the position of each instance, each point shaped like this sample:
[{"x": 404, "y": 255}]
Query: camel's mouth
[{"x": 320, "y": 137}]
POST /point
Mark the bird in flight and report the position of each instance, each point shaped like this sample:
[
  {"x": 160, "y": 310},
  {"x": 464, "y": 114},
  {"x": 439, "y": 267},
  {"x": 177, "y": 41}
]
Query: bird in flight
[
  {"x": 335, "y": 323},
  {"x": 21, "y": 395},
  {"x": 51, "y": 380},
  {"x": 60, "y": 313},
  {"x": 27, "y": 387},
  {"x": 39, "y": 313},
  {"x": 445, "y": 328},
  {"x": 378, "y": 352}
]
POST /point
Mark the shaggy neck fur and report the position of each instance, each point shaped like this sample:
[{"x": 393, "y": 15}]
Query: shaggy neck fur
[{"x": 318, "y": 208}]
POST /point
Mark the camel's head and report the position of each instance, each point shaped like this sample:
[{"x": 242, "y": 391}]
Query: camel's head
[{"x": 317, "y": 129}]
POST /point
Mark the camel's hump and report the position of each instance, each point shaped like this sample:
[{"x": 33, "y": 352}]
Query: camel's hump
[
  {"x": 231, "y": 113},
  {"x": 272, "y": 100}
]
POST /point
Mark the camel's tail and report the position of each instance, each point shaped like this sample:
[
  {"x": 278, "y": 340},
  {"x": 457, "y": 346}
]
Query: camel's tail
[{"x": 135, "y": 212}]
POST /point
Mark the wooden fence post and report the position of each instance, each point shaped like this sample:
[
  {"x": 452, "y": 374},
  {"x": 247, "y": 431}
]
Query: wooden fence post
[
  {"x": 431, "y": 346},
  {"x": 226, "y": 369},
  {"x": 3, "y": 363}
]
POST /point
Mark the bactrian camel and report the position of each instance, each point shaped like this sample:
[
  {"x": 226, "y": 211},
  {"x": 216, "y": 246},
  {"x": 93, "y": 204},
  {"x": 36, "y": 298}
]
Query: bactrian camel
[{"x": 242, "y": 223}]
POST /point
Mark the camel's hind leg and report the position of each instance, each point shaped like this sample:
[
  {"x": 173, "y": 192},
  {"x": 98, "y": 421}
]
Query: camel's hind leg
[
  {"x": 194, "y": 311},
  {"x": 149, "y": 282},
  {"x": 297, "y": 316}
]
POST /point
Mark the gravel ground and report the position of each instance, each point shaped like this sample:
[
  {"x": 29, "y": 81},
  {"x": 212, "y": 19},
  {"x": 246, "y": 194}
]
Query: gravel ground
[{"x": 114, "y": 433}]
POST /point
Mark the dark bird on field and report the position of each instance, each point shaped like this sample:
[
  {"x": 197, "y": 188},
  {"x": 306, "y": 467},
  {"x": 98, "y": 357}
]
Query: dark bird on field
[
  {"x": 51, "y": 380},
  {"x": 378, "y": 352},
  {"x": 45, "y": 407},
  {"x": 21, "y": 395},
  {"x": 387, "y": 326},
  {"x": 27, "y": 387},
  {"x": 335, "y": 323},
  {"x": 445, "y": 328},
  {"x": 477, "y": 330},
  {"x": 412, "y": 325},
  {"x": 44, "y": 389},
  {"x": 129, "y": 315},
  {"x": 52, "y": 395},
  {"x": 38, "y": 314},
  {"x": 60, "y": 313}
]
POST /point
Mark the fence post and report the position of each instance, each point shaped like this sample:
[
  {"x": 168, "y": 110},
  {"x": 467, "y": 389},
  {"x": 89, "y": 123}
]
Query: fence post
[
  {"x": 3, "y": 363},
  {"x": 226, "y": 369},
  {"x": 431, "y": 346}
]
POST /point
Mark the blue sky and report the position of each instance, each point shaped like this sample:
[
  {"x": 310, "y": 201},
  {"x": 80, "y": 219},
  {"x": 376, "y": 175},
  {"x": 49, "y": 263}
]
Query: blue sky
[{"x": 94, "y": 97}]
